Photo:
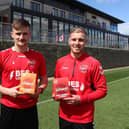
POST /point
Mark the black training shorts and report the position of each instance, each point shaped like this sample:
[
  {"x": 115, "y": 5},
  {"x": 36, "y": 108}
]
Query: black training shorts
[
  {"x": 69, "y": 125},
  {"x": 11, "y": 118}
]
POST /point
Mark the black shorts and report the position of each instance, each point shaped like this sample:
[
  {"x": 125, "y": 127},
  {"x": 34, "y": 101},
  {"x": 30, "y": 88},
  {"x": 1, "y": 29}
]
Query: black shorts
[
  {"x": 11, "y": 118},
  {"x": 63, "y": 124}
]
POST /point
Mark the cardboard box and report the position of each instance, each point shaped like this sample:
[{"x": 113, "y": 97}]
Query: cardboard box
[
  {"x": 28, "y": 83},
  {"x": 60, "y": 88}
]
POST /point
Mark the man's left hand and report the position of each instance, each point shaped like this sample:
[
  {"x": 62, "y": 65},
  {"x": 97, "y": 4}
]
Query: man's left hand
[{"x": 73, "y": 100}]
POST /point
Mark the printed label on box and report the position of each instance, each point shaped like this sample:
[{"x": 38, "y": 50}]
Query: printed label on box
[
  {"x": 28, "y": 83},
  {"x": 60, "y": 88}
]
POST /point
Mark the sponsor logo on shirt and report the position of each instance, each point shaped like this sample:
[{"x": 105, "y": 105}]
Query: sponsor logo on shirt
[
  {"x": 83, "y": 68},
  {"x": 64, "y": 67},
  {"x": 16, "y": 74},
  {"x": 76, "y": 86},
  {"x": 21, "y": 56}
]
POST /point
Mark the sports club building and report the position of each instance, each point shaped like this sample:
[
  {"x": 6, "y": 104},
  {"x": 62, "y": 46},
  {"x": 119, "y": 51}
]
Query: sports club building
[{"x": 51, "y": 21}]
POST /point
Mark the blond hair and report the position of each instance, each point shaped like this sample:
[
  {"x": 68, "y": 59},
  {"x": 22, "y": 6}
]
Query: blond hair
[{"x": 78, "y": 30}]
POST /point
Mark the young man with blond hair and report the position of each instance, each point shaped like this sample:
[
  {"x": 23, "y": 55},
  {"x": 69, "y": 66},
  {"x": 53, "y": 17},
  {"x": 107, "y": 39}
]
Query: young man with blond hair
[{"x": 86, "y": 81}]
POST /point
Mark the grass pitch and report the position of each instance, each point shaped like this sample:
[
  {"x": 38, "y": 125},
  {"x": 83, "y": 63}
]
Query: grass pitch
[{"x": 112, "y": 112}]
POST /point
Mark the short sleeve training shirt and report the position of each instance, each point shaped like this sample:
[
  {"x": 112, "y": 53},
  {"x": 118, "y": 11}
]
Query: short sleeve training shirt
[{"x": 12, "y": 64}]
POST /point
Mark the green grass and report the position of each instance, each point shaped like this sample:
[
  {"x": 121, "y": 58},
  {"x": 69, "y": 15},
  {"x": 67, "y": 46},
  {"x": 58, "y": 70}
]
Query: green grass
[
  {"x": 116, "y": 74},
  {"x": 48, "y": 115},
  {"x": 47, "y": 92},
  {"x": 112, "y": 112}
]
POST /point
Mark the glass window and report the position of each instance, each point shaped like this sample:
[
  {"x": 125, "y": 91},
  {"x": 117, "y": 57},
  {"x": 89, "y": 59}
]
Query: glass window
[
  {"x": 123, "y": 42},
  {"x": 36, "y": 29},
  {"x": 28, "y": 18},
  {"x": 104, "y": 25},
  {"x": 81, "y": 20},
  {"x": 76, "y": 18},
  {"x": 93, "y": 37},
  {"x": 113, "y": 27},
  {"x": 44, "y": 29},
  {"x": 102, "y": 39},
  {"x": 44, "y": 23},
  {"x": 54, "y": 26},
  {"x": 18, "y": 3},
  {"x": 61, "y": 27},
  {"x": 35, "y": 6},
  {"x": 47, "y": 9},
  {"x": 71, "y": 26},
  {"x": 5, "y": 31},
  {"x": 89, "y": 37},
  {"x": 61, "y": 32},
  {"x": 17, "y": 15},
  {"x": 55, "y": 12},
  {"x": 66, "y": 32},
  {"x": 99, "y": 39},
  {"x": 14, "y": 2},
  {"x": 54, "y": 34},
  {"x": 71, "y": 16},
  {"x": 66, "y": 27},
  {"x": 62, "y": 13}
]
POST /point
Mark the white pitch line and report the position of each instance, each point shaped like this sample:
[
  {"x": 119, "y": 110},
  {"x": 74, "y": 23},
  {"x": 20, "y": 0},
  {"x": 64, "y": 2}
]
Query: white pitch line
[
  {"x": 49, "y": 100},
  {"x": 118, "y": 80},
  {"x": 45, "y": 101}
]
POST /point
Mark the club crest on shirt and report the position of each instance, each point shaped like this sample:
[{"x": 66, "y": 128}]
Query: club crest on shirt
[
  {"x": 31, "y": 62},
  {"x": 83, "y": 68}
]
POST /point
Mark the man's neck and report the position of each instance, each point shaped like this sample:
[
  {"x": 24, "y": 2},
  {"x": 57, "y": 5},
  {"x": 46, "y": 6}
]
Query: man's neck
[
  {"x": 76, "y": 55},
  {"x": 20, "y": 50}
]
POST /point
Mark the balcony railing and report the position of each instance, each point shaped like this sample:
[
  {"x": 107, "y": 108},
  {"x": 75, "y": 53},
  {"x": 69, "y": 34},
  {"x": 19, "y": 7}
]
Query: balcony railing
[{"x": 106, "y": 40}]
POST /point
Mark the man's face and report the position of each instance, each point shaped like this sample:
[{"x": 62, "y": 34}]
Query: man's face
[
  {"x": 21, "y": 36},
  {"x": 77, "y": 42}
]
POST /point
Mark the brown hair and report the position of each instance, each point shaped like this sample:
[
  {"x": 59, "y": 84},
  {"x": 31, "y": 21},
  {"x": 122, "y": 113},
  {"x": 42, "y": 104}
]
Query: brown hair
[{"x": 19, "y": 23}]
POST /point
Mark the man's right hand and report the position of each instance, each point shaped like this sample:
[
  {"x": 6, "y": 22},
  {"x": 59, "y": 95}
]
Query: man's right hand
[{"x": 13, "y": 92}]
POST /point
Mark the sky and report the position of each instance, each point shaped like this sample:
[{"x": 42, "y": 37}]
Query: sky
[{"x": 115, "y": 8}]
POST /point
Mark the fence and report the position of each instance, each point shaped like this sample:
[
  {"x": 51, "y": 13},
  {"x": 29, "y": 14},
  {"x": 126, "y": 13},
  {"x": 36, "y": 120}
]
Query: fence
[{"x": 96, "y": 38}]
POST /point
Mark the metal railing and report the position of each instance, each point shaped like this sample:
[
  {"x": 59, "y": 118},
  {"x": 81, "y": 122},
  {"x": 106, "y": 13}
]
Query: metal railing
[{"x": 107, "y": 40}]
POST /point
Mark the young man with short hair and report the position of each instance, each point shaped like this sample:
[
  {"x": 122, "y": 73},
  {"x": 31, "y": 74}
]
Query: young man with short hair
[
  {"x": 18, "y": 110},
  {"x": 86, "y": 81}
]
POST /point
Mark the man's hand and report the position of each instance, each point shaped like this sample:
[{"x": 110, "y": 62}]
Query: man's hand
[
  {"x": 13, "y": 92},
  {"x": 38, "y": 91},
  {"x": 73, "y": 100}
]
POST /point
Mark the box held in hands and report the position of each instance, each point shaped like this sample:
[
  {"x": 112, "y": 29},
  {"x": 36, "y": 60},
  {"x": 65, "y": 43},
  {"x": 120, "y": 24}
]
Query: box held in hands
[
  {"x": 60, "y": 88},
  {"x": 28, "y": 83}
]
